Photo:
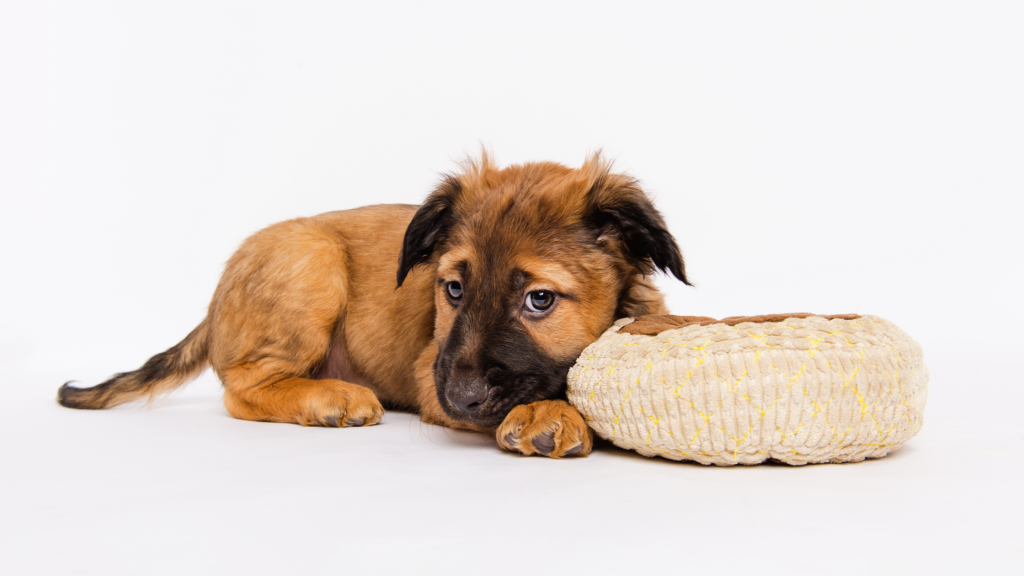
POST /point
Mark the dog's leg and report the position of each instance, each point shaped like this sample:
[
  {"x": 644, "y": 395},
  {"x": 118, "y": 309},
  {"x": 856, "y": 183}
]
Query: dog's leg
[
  {"x": 280, "y": 299},
  {"x": 549, "y": 428},
  {"x": 303, "y": 401}
]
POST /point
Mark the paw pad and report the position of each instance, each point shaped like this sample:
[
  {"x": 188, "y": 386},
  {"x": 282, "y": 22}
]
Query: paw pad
[{"x": 544, "y": 443}]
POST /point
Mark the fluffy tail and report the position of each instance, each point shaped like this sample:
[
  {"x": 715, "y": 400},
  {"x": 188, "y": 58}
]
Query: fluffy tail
[{"x": 160, "y": 374}]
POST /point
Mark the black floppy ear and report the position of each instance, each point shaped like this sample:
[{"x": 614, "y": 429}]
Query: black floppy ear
[
  {"x": 429, "y": 227},
  {"x": 619, "y": 208}
]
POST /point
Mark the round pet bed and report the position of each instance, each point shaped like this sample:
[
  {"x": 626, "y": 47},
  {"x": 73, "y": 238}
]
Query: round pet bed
[{"x": 793, "y": 388}]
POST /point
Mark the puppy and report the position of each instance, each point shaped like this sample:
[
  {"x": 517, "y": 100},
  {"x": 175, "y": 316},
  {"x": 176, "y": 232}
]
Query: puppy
[{"x": 468, "y": 310}]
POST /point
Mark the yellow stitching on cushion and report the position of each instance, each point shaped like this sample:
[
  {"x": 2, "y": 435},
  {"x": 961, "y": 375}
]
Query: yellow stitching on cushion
[
  {"x": 703, "y": 346},
  {"x": 798, "y": 374},
  {"x": 752, "y": 426},
  {"x": 649, "y": 430},
  {"x": 706, "y": 419},
  {"x": 731, "y": 386},
  {"x": 848, "y": 378},
  {"x": 761, "y": 339},
  {"x": 814, "y": 345},
  {"x": 864, "y": 409},
  {"x": 817, "y": 409},
  {"x": 690, "y": 373}
]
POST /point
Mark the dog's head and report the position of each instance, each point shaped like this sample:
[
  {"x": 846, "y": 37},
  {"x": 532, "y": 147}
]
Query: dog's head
[{"x": 533, "y": 263}]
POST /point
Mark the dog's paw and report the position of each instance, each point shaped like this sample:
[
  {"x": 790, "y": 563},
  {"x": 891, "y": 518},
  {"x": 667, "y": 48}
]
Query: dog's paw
[
  {"x": 550, "y": 428},
  {"x": 342, "y": 405}
]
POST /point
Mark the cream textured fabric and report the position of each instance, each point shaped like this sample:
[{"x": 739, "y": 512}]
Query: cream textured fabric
[{"x": 799, "y": 391}]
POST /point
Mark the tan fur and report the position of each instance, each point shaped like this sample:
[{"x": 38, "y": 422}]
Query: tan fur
[
  {"x": 290, "y": 289},
  {"x": 527, "y": 426},
  {"x": 307, "y": 326}
]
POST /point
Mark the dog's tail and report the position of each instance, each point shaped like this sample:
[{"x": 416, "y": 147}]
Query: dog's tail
[{"x": 159, "y": 375}]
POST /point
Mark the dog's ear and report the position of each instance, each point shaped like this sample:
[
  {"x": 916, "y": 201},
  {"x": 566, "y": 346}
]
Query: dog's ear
[
  {"x": 619, "y": 209},
  {"x": 429, "y": 227}
]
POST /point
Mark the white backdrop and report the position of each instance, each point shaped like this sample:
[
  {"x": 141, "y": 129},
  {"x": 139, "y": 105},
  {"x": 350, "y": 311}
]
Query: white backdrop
[{"x": 808, "y": 157}]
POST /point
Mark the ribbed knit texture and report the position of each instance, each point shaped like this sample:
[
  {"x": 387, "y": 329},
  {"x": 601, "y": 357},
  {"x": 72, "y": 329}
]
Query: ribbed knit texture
[{"x": 799, "y": 391}]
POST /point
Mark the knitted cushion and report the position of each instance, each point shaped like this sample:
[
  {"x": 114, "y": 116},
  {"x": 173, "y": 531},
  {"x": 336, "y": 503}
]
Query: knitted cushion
[{"x": 794, "y": 388}]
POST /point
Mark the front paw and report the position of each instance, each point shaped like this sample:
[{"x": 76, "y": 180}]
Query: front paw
[
  {"x": 550, "y": 428},
  {"x": 342, "y": 405}
]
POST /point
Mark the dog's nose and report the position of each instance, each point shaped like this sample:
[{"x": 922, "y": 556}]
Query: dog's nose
[{"x": 468, "y": 396}]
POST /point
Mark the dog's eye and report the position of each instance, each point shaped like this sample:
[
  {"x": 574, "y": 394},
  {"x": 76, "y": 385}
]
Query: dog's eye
[
  {"x": 539, "y": 300},
  {"x": 454, "y": 290}
]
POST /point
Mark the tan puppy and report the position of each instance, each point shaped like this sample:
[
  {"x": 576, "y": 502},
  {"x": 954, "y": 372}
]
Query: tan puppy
[{"x": 468, "y": 310}]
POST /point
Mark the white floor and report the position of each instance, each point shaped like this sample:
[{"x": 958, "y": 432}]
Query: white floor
[{"x": 183, "y": 488}]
